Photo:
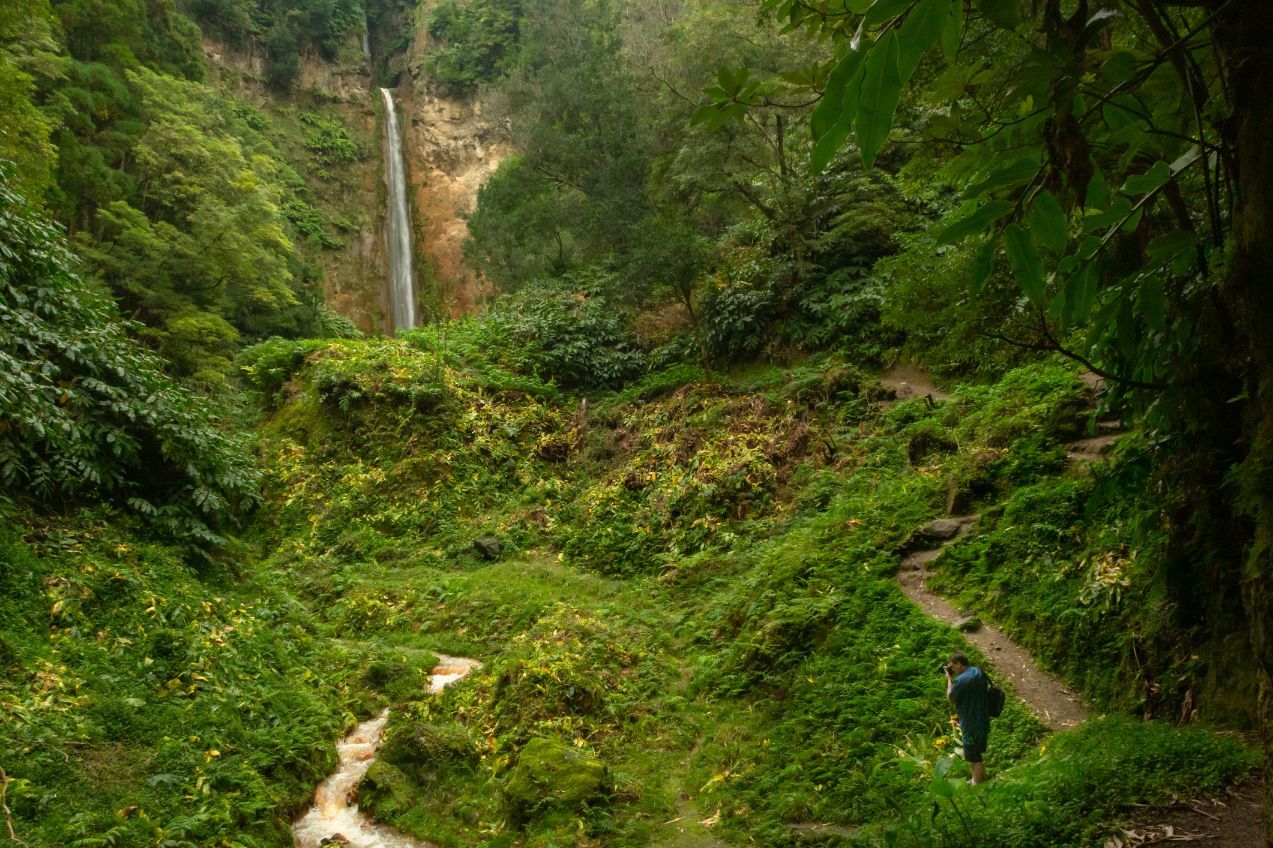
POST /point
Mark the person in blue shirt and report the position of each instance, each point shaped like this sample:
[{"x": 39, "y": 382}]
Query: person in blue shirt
[{"x": 967, "y": 688}]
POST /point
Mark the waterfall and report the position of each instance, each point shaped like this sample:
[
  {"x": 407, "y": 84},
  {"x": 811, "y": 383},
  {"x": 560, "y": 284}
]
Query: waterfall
[{"x": 401, "y": 275}]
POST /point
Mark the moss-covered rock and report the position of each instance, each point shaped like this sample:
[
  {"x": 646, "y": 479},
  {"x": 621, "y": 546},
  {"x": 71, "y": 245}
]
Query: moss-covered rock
[
  {"x": 426, "y": 751},
  {"x": 550, "y": 774},
  {"x": 386, "y": 791}
]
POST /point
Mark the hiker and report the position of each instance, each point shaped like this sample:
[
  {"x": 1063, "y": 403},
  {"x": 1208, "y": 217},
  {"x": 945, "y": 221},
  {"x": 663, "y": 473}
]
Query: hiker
[{"x": 968, "y": 689}]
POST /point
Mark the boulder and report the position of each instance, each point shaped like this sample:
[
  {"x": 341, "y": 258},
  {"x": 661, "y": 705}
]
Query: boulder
[
  {"x": 488, "y": 547},
  {"x": 551, "y": 774},
  {"x": 968, "y": 624},
  {"x": 386, "y": 791},
  {"x": 941, "y": 529}
]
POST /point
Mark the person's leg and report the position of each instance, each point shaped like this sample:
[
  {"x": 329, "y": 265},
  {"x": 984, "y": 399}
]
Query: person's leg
[{"x": 973, "y": 753}]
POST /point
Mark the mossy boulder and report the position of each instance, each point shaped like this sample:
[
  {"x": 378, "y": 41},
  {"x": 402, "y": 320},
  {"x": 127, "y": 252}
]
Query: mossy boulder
[
  {"x": 426, "y": 751},
  {"x": 553, "y": 775},
  {"x": 386, "y": 792}
]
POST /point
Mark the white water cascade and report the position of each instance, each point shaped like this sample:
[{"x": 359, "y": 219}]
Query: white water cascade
[{"x": 401, "y": 274}]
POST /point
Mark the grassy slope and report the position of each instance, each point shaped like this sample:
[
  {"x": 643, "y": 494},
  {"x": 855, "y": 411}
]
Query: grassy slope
[
  {"x": 143, "y": 703},
  {"x": 746, "y": 660}
]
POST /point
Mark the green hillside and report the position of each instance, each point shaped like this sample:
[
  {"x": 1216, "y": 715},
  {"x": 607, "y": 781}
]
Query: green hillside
[{"x": 823, "y": 339}]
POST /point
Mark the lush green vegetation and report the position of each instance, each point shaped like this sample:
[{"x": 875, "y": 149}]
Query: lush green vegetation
[
  {"x": 477, "y": 42},
  {"x": 145, "y": 704},
  {"x": 88, "y": 413},
  {"x": 659, "y": 616},
  {"x": 285, "y": 28},
  {"x": 230, "y": 527}
]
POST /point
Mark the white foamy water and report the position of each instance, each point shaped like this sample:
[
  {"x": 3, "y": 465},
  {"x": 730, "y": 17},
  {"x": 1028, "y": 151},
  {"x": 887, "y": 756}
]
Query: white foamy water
[
  {"x": 401, "y": 274},
  {"x": 333, "y": 811}
]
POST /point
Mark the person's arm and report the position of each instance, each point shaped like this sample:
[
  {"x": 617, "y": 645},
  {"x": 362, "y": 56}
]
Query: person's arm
[{"x": 950, "y": 685}]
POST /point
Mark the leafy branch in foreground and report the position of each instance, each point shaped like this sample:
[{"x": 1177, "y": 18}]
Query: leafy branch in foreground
[{"x": 86, "y": 411}]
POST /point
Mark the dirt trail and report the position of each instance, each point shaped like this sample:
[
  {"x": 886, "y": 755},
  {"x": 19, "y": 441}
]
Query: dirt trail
[
  {"x": 1056, "y": 705},
  {"x": 908, "y": 381},
  {"x": 1230, "y": 821}
]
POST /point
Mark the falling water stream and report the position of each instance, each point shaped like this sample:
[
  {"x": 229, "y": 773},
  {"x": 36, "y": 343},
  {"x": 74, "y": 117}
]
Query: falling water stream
[
  {"x": 334, "y": 813},
  {"x": 401, "y": 275}
]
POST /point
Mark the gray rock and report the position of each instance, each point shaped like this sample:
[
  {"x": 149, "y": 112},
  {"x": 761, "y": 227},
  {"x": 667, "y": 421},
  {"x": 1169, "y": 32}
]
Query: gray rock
[
  {"x": 968, "y": 624},
  {"x": 942, "y": 529},
  {"x": 488, "y": 547}
]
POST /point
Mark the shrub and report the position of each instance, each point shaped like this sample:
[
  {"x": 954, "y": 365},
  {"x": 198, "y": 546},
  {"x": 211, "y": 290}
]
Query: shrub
[
  {"x": 479, "y": 42},
  {"x": 330, "y": 140},
  {"x": 267, "y": 365},
  {"x": 575, "y": 340},
  {"x": 85, "y": 411}
]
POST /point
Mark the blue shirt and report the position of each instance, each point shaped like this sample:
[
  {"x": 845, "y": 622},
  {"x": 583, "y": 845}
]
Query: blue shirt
[{"x": 969, "y": 693}]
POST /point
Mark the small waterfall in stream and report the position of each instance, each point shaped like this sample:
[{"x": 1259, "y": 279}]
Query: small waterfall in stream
[
  {"x": 401, "y": 275},
  {"x": 334, "y": 817}
]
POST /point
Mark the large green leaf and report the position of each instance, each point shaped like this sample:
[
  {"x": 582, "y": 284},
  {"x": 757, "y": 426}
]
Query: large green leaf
[
  {"x": 883, "y": 10},
  {"x": 1080, "y": 294},
  {"x": 832, "y": 107},
  {"x": 832, "y": 140},
  {"x": 1155, "y": 178},
  {"x": 920, "y": 31},
  {"x": 1048, "y": 222},
  {"x": 1012, "y": 173},
  {"x": 975, "y": 222},
  {"x": 1023, "y": 256},
  {"x": 983, "y": 265},
  {"x": 1152, "y": 300},
  {"x": 881, "y": 91},
  {"x": 953, "y": 30}
]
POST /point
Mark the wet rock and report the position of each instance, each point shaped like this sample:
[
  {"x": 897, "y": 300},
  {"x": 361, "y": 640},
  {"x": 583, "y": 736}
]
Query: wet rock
[
  {"x": 488, "y": 547},
  {"x": 335, "y": 839},
  {"x": 942, "y": 529},
  {"x": 550, "y": 774}
]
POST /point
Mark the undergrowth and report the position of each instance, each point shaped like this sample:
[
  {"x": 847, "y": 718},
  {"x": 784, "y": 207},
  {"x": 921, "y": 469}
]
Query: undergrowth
[
  {"x": 683, "y": 601},
  {"x": 693, "y": 601}
]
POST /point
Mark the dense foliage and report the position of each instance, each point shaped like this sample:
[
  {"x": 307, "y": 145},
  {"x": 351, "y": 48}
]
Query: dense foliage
[
  {"x": 658, "y": 486},
  {"x": 697, "y": 585},
  {"x": 478, "y": 42},
  {"x": 177, "y": 196},
  {"x": 146, "y": 706},
  {"x": 286, "y": 28},
  {"x": 87, "y": 412}
]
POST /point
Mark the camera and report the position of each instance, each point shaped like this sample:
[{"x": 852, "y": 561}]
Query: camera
[{"x": 946, "y": 669}]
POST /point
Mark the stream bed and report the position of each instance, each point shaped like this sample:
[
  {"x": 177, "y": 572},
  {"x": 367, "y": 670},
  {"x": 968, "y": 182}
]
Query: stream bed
[{"x": 334, "y": 815}]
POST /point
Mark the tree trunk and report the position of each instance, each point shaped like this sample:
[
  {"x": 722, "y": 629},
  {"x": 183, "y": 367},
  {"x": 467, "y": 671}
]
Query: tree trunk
[{"x": 1245, "y": 37}]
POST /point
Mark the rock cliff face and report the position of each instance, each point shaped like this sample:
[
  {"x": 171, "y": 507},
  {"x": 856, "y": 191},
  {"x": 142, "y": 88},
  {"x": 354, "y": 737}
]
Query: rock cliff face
[
  {"x": 451, "y": 150},
  {"x": 352, "y": 194}
]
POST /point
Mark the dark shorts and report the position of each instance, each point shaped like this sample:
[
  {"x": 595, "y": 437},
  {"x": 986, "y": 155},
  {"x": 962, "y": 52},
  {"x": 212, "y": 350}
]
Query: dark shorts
[{"x": 974, "y": 751}]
